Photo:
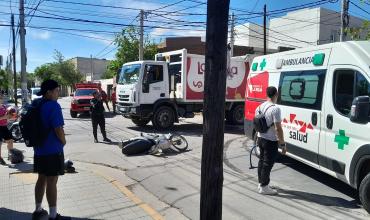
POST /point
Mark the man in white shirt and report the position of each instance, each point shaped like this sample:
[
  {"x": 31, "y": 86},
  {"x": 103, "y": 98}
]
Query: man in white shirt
[{"x": 269, "y": 141}]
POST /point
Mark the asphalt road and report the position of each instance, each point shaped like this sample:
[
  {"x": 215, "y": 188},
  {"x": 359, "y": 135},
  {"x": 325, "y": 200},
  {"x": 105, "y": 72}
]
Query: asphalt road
[{"x": 171, "y": 182}]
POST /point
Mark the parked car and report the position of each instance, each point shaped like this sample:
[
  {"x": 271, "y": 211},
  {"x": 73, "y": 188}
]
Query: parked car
[{"x": 34, "y": 92}]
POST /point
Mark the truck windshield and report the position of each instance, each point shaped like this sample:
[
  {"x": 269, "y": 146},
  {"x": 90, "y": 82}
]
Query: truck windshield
[
  {"x": 84, "y": 92},
  {"x": 129, "y": 74},
  {"x": 35, "y": 91}
]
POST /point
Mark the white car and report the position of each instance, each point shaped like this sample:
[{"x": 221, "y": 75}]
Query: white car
[{"x": 34, "y": 92}]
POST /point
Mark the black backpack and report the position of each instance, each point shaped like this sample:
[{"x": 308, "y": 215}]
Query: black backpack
[
  {"x": 33, "y": 130},
  {"x": 259, "y": 121}
]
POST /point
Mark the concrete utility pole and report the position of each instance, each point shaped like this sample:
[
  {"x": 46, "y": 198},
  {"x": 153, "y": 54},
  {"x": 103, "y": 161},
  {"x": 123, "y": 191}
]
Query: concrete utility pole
[
  {"x": 141, "y": 46},
  {"x": 264, "y": 29},
  {"x": 232, "y": 35},
  {"x": 344, "y": 19},
  {"x": 214, "y": 110},
  {"x": 22, "y": 35},
  {"x": 14, "y": 64},
  {"x": 92, "y": 68}
]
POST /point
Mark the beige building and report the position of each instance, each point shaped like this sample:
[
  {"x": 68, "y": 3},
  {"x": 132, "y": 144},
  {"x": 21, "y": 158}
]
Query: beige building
[{"x": 90, "y": 68}]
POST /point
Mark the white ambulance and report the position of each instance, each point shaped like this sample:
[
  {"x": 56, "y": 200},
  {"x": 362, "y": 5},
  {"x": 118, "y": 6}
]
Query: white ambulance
[{"x": 324, "y": 99}]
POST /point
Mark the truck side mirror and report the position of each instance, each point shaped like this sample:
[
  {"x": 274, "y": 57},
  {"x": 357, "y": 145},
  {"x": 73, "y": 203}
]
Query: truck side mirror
[{"x": 360, "y": 110}]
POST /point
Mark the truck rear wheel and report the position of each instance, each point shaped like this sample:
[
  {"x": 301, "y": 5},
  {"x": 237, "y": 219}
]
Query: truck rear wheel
[
  {"x": 140, "y": 122},
  {"x": 236, "y": 115},
  {"x": 163, "y": 118},
  {"x": 73, "y": 114},
  {"x": 364, "y": 192}
]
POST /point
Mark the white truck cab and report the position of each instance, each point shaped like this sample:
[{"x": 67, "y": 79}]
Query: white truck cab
[
  {"x": 172, "y": 86},
  {"x": 324, "y": 100}
]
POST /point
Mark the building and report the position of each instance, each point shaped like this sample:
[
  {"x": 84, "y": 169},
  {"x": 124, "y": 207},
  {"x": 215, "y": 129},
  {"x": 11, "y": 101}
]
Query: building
[
  {"x": 307, "y": 27},
  {"x": 195, "y": 45},
  {"x": 90, "y": 68},
  {"x": 301, "y": 28}
]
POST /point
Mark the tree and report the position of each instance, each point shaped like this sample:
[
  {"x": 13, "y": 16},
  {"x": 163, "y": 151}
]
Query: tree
[
  {"x": 61, "y": 70},
  {"x": 128, "y": 50},
  {"x": 357, "y": 33},
  {"x": 4, "y": 80}
]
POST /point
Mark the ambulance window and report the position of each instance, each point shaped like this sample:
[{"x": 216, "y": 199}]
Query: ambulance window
[
  {"x": 344, "y": 81},
  {"x": 302, "y": 88},
  {"x": 362, "y": 85}
]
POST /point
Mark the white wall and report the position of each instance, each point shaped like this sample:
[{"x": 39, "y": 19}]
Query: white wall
[{"x": 249, "y": 35}]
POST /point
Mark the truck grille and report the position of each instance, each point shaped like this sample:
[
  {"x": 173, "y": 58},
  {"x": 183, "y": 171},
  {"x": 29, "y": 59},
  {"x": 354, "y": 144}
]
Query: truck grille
[
  {"x": 124, "y": 98},
  {"x": 124, "y": 104},
  {"x": 84, "y": 101}
]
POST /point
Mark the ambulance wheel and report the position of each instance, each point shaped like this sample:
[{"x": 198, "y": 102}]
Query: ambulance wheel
[
  {"x": 236, "y": 115},
  {"x": 364, "y": 192},
  {"x": 163, "y": 118},
  {"x": 140, "y": 122},
  {"x": 73, "y": 114}
]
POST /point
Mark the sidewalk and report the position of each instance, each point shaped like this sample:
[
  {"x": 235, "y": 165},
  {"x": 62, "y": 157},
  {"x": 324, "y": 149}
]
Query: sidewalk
[{"x": 86, "y": 194}]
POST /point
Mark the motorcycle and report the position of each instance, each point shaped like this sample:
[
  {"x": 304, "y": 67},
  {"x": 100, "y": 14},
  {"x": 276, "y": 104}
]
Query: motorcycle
[{"x": 14, "y": 127}]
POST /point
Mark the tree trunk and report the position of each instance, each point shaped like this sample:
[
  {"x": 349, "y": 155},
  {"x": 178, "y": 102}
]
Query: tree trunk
[{"x": 214, "y": 110}]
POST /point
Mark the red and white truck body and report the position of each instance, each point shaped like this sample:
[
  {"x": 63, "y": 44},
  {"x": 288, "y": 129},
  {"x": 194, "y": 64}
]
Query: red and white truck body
[{"x": 172, "y": 86}]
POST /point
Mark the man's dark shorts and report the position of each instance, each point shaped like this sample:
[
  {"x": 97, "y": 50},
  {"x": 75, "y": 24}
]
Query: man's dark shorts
[
  {"x": 5, "y": 133},
  {"x": 49, "y": 165}
]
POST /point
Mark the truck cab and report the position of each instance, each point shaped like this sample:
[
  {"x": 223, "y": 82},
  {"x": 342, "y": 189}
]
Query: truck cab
[
  {"x": 81, "y": 98},
  {"x": 139, "y": 86}
]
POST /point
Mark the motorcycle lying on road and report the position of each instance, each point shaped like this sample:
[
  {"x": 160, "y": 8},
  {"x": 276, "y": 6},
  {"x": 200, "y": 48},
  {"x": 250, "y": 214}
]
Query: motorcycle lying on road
[{"x": 153, "y": 144}]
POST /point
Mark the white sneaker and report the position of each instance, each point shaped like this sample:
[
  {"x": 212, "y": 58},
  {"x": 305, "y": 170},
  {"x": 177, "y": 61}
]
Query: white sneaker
[
  {"x": 267, "y": 190},
  {"x": 259, "y": 186}
]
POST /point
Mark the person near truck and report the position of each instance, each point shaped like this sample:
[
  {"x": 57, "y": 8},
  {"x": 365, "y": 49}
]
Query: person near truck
[
  {"x": 49, "y": 158},
  {"x": 97, "y": 117},
  {"x": 269, "y": 141},
  {"x": 114, "y": 100},
  {"x": 104, "y": 97}
]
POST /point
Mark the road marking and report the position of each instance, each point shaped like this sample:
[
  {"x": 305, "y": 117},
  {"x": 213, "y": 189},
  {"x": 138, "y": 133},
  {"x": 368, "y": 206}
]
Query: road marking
[{"x": 124, "y": 190}]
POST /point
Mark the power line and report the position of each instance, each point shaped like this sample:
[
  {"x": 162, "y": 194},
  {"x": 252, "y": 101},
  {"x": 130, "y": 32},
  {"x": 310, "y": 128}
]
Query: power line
[
  {"x": 169, "y": 5},
  {"x": 34, "y": 11},
  {"x": 357, "y": 6}
]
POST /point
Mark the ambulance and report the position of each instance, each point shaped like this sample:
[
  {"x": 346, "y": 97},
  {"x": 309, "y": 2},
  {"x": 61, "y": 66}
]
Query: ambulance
[{"x": 324, "y": 100}]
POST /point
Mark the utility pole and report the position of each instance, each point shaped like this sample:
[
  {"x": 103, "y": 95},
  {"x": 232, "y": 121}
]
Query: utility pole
[
  {"x": 92, "y": 68},
  {"x": 264, "y": 30},
  {"x": 214, "y": 110},
  {"x": 22, "y": 34},
  {"x": 14, "y": 64},
  {"x": 232, "y": 35},
  {"x": 344, "y": 19},
  {"x": 141, "y": 46}
]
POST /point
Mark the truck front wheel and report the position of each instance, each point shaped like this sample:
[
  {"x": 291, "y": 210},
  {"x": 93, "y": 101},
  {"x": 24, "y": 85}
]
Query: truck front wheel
[
  {"x": 364, "y": 192},
  {"x": 73, "y": 114},
  {"x": 163, "y": 118},
  {"x": 140, "y": 122},
  {"x": 235, "y": 115}
]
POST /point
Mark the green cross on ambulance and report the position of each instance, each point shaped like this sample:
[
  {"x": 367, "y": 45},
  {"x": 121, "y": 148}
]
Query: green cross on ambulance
[{"x": 324, "y": 99}]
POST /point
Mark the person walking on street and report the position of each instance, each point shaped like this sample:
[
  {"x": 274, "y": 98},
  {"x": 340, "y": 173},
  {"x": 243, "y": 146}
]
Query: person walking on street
[
  {"x": 114, "y": 100},
  {"x": 269, "y": 141},
  {"x": 5, "y": 134},
  {"x": 97, "y": 117},
  {"x": 49, "y": 158},
  {"x": 104, "y": 97}
]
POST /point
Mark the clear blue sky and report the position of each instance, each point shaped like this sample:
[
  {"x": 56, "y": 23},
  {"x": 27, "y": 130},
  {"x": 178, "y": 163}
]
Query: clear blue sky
[{"x": 41, "y": 42}]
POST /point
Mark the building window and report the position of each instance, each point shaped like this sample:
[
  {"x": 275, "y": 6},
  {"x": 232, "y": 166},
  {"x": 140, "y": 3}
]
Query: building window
[{"x": 302, "y": 89}]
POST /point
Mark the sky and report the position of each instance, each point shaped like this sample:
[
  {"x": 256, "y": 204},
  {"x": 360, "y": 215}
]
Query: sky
[{"x": 167, "y": 18}]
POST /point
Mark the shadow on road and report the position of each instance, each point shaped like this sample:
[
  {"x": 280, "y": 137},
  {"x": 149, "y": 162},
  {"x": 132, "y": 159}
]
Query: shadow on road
[
  {"x": 317, "y": 198},
  {"x": 22, "y": 167},
  {"x": 6, "y": 214},
  {"x": 319, "y": 176}
]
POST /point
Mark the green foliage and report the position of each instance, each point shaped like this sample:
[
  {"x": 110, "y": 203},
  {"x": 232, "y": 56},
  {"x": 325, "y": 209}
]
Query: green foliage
[
  {"x": 128, "y": 50},
  {"x": 4, "y": 80},
  {"x": 61, "y": 70},
  {"x": 357, "y": 33}
]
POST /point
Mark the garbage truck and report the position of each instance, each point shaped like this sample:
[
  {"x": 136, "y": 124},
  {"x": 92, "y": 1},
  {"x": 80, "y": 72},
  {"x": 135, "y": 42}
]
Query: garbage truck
[{"x": 172, "y": 87}]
